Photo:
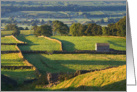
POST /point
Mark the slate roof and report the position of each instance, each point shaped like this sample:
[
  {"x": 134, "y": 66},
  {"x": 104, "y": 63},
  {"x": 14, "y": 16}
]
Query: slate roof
[{"x": 102, "y": 44}]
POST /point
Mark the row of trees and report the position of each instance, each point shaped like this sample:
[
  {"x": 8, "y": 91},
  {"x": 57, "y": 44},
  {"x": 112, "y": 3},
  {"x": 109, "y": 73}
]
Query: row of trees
[
  {"x": 11, "y": 26},
  {"x": 77, "y": 29},
  {"x": 117, "y": 29},
  {"x": 56, "y": 27}
]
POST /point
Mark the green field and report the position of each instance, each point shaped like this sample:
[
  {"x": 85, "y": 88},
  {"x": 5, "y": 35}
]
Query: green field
[
  {"x": 38, "y": 43},
  {"x": 11, "y": 60},
  {"x": 8, "y": 48},
  {"x": 57, "y": 63},
  {"x": 25, "y": 32},
  {"x": 71, "y": 43},
  {"x": 73, "y": 62},
  {"x": 6, "y": 33},
  {"x": 8, "y": 40},
  {"x": 20, "y": 74}
]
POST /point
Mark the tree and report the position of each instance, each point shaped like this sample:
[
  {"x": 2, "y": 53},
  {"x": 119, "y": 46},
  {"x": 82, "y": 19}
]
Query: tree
[
  {"x": 104, "y": 30},
  {"x": 74, "y": 29},
  {"x": 93, "y": 29},
  {"x": 10, "y": 26},
  {"x": 45, "y": 30},
  {"x": 121, "y": 27},
  {"x": 42, "y": 21},
  {"x": 20, "y": 28},
  {"x": 82, "y": 30},
  {"x": 26, "y": 28},
  {"x": 118, "y": 29},
  {"x": 112, "y": 30},
  {"x": 16, "y": 32},
  {"x": 60, "y": 27}
]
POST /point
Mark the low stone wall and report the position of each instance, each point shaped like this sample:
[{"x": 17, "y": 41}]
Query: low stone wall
[
  {"x": 26, "y": 61},
  {"x": 55, "y": 41},
  {"x": 5, "y": 52},
  {"x": 55, "y": 77},
  {"x": 13, "y": 43},
  {"x": 77, "y": 52},
  {"x": 16, "y": 67}
]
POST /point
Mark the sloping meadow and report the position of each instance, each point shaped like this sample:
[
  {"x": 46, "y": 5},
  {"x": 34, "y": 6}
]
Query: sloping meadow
[
  {"x": 113, "y": 79},
  {"x": 12, "y": 63}
]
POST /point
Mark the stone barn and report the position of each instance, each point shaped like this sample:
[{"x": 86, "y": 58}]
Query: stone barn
[{"x": 102, "y": 47}]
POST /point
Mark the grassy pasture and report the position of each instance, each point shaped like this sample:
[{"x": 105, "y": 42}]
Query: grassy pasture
[
  {"x": 11, "y": 60},
  {"x": 25, "y": 32},
  {"x": 113, "y": 79},
  {"x": 38, "y": 43},
  {"x": 71, "y": 43},
  {"x": 8, "y": 48},
  {"x": 19, "y": 75},
  {"x": 73, "y": 62},
  {"x": 8, "y": 40},
  {"x": 6, "y": 33}
]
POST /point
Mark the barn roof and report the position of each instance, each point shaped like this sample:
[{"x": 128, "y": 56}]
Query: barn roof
[{"x": 102, "y": 44}]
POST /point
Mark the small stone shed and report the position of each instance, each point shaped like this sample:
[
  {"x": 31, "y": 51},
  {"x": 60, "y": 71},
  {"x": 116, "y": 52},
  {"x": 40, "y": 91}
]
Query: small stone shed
[{"x": 102, "y": 47}]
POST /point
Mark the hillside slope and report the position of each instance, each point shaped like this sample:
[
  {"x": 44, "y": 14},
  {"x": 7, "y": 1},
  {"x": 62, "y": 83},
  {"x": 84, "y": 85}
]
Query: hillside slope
[{"x": 113, "y": 79}]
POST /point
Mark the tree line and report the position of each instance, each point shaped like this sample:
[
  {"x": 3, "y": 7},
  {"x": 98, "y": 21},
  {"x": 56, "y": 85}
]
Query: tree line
[{"x": 77, "y": 29}]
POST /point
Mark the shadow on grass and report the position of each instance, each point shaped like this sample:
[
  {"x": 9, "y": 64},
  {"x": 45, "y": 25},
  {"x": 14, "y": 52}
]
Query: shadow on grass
[
  {"x": 115, "y": 44},
  {"x": 67, "y": 46},
  {"x": 21, "y": 37},
  {"x": 44, "y": 64}
]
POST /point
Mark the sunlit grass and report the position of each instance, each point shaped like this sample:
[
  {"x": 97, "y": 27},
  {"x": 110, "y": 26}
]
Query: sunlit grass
[
  {"x": 8, "y": 48},
  {"x": 72, "y": 62},
  {"x": 11, "y": 60},
  {"x": 38, "y": 43},
  {"x": 8, "y": 40},
  {"x": 113, "y": 79},
  {"x": 71, "y": 43}
]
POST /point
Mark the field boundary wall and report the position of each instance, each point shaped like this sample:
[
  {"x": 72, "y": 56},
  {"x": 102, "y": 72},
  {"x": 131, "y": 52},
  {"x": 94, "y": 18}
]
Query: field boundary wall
[{"x": 61, "y": 47}]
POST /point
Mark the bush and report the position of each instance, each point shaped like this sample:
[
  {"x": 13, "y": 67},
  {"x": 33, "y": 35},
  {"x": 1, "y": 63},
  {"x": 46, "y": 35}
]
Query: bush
[{"x": 16, "y": 32}]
